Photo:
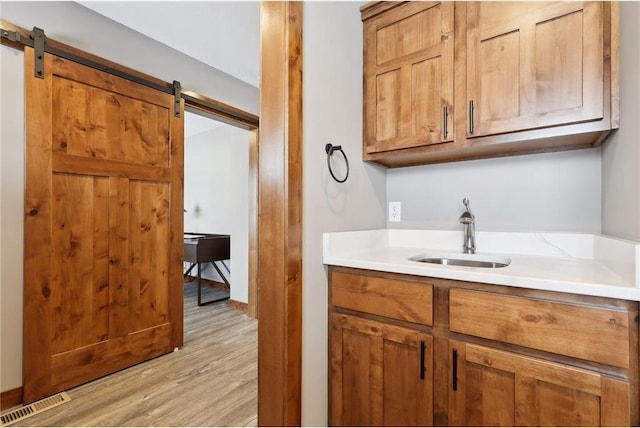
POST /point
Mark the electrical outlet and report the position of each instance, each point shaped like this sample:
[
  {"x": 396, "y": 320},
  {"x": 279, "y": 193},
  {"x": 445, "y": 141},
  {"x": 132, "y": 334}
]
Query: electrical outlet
[{"x": 395, "y": 214}]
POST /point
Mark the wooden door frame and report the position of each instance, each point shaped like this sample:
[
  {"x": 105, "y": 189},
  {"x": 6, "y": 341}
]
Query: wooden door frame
[{"x": 280, "y": 218}]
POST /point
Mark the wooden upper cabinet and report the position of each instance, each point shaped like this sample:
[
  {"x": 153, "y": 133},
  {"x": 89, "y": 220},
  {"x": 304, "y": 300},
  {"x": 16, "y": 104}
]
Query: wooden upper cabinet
[
  {"x": 533, "y": 64},
  {"x": 408, "y": 69},
  {"x": 466, "y": 80}
]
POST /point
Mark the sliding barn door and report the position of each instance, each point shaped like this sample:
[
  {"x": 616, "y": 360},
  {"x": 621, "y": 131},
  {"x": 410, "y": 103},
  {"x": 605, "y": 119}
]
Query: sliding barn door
[{"x": 103, "y": 225}]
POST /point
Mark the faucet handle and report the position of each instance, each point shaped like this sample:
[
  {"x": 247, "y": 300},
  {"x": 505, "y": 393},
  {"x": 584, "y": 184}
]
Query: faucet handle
[{"x": 467, "y": 216}]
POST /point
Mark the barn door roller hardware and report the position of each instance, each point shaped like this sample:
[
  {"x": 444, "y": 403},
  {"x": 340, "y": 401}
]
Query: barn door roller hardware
[
  {"x": 37, "y": 41},
  {"x": 37, "y": 37},
  {"x": 177, "y": 91}
]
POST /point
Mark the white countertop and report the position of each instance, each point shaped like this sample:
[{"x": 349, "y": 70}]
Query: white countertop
[{"x": 594, "y": 265}]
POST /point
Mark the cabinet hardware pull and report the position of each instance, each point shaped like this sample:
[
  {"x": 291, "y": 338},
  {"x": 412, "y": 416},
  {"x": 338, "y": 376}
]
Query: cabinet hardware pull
[
  {"x": 445, "y": 119},
  {"x": 455, "y": 369},
  {"x": 471, "y": 117},
  {"x": 423, "y": 369}
]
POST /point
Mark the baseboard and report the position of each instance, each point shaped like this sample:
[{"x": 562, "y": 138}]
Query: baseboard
[
  {"x": 239, "y": 306},
  {"x": 10, "y": 398}
]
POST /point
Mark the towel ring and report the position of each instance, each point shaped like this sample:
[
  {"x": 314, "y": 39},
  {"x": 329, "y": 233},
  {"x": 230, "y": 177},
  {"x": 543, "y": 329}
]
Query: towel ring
[{"x": 329, "y": 149}]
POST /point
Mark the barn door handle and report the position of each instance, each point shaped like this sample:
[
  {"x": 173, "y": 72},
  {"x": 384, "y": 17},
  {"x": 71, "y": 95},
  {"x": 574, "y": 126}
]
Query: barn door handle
[
  {"x": 471, "y": 108},
  {"x": 423, "y": 368},
  {"x": 455, "y": 369}
]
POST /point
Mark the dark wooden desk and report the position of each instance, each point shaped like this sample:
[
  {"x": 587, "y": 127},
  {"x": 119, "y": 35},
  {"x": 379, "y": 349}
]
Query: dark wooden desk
[{"x": 207, "y": 248}]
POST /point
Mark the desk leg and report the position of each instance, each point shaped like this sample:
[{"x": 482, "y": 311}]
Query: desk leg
[
  {"x": 226, "y": 281},
  {"x": 199, "y": 287}
]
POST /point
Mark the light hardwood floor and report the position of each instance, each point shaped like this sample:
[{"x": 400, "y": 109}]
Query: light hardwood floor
[{"x": 211, "y": 381}]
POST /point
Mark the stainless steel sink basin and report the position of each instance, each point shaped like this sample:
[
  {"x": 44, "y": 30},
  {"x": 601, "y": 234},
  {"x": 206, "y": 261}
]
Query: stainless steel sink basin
[{"x": 468, "y": 260}]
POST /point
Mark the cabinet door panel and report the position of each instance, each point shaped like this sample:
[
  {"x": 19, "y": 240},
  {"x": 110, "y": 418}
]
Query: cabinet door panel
[
  {"x": 558, "y": 63},
  {"x": 408, "y": 68},
  {"x": 376, "y": 374},
  {"x": 502, "y": 388},
  {"x": 388, "y": 88},
  {"x": 533, "y": 65},
  {"x": 500, "y": 77},
  {"x": 401, "y": 385},
  {"x": 426, "y": 104},
  {"x": 566, "y": 406},
  {"x": 356, "y": 375},
  {"x": 490, "y": 396},
  {"x": 407, "y": 36}
]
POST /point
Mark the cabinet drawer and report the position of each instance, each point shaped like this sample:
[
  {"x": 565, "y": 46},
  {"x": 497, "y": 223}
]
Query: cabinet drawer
[
  {"x": 590, "y": 333},
  {"x": 402, "y": 300}
]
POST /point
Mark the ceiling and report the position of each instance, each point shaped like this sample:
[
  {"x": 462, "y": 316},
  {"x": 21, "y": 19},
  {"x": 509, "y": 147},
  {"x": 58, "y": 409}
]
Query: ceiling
[{"x": 222, "y": 34}]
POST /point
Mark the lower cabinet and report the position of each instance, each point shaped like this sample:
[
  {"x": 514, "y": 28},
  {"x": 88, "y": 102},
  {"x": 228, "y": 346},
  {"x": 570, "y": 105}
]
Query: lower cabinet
[
  {"x": 380, "y": 374},
  {"x": 407, "y": 351},
  {"x": 490, "y": 387}
]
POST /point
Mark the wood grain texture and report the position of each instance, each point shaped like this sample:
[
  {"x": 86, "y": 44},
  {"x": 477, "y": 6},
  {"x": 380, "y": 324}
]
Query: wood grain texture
[
  {"x": 104, "y": 249},
  {"x": 403, "y": 300},
  {"x": 375, "y": 374},
  {"x": 211, "y": 381},
  {"x": 616, "y": 403},
  {"x": 554, "y": 327},
  {"x": 239, "y": 306},
  {"x": 557, "y": 77},
  {"x": 38, "y": 232},
  {"x": 502, "y": 388},
  {"x": 499, "y": 383},
  {"x": 408, "y": 75},
  {"x": 280, "y": 219},
  {"x": 10, "y": 398},
  {"x": 529, "y": 114}
]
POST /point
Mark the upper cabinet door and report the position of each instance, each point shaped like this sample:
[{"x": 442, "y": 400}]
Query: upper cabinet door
[
  {"x": 533, "y": 65},
  {"x": 408, "y": 62}
]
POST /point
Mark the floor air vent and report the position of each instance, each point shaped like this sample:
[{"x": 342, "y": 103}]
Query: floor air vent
[{"x": 33, "y": 408}]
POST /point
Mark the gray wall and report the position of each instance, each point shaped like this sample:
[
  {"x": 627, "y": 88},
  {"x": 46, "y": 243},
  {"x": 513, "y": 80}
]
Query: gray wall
[
  {"x": 11, "y": 217},
  {"x": 332, "y": 113},
  {"x": 621, "y": 153},
  {"x": 544, "y": 192},
  {"x": 76, "y": 25}
]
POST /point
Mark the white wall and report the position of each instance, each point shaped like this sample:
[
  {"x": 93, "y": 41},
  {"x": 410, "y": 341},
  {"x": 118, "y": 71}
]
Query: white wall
[
  {"x": 11, "y": 215},
  {"x": 73, "y": 24},
  {"x": 543, "y": 192},
  {"x": 621, "y": 153},
  {"x": 216, "y": 196},
  {"x": 332, "y": 109}
]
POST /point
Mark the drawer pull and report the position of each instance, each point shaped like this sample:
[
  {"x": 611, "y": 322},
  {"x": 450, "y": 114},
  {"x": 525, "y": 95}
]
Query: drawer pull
[
  {"x": 455, "y": 369},
  {"x": 423, "y": 368}
]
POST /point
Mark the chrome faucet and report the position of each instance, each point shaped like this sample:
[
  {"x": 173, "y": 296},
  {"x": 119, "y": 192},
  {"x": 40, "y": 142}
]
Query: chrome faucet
[{"x": 468, "y": 221}]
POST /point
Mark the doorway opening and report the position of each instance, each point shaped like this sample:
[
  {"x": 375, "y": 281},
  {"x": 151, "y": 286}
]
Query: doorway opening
[{"x": 216, "y": 211}]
